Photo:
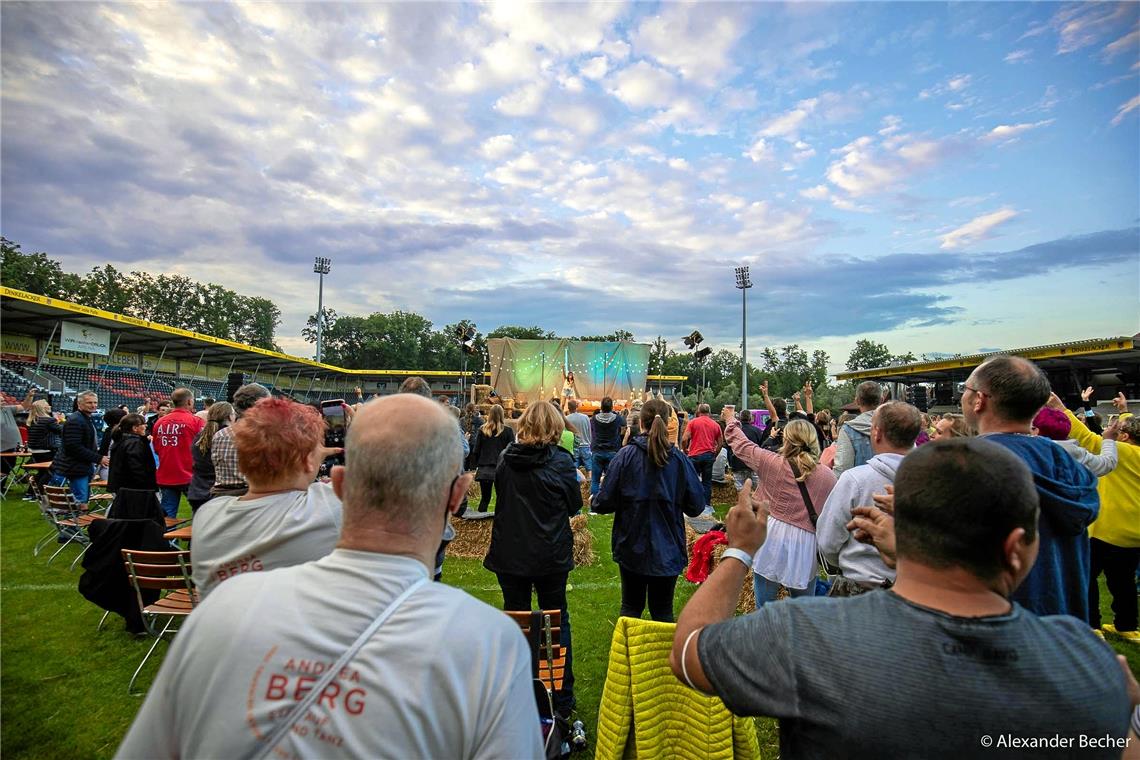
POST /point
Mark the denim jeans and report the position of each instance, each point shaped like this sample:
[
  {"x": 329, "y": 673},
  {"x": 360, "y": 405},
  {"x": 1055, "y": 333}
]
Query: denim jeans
[
  {"x": 766, "y": 590},
  {"x": 170, "y": 497},
  {"x": 80, "y": 486},
  {"x": 551, "y": 592},
  {"x": 704, "y": 465},
  {"x": 602, "y": 460},
  {"x": 584, "y": 457}
]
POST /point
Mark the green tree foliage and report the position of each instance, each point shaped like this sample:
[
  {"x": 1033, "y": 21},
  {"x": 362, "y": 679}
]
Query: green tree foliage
[
  {"x": 172, "y": 300},
  {"x": 521, "y": 333}
]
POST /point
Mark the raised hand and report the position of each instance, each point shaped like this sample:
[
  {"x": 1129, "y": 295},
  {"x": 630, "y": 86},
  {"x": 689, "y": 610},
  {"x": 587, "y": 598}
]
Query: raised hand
[
  {"x": 764, "y": 389},
  {"x": 747, "y": 521},
  {"x": 1086, "y": 394},
  {"x": 1120, "y": 403},
  {"x": 807, "y": 389},
  {"x": 886, "y": 501},
  {"x": 872, "y": 525}
]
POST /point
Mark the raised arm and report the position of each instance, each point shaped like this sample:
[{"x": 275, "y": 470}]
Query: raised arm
[
  {"x": 745, "y": 450},
  {"x": 768, "y": 402},
  {"x": 808, "y": 403}
]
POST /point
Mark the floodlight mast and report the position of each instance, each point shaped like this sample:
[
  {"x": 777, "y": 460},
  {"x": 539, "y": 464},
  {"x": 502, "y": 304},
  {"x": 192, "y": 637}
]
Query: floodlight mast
[
  {"x": 321, "y": 266},
  {"x": 743, "y": 283}
]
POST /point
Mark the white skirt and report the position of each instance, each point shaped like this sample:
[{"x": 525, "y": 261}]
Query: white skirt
[{"x": 788, "y": 556}]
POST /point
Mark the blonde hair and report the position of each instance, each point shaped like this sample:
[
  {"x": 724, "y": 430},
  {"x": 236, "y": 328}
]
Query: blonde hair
[
  {"x": 494, "y": 424},
  {"x": 41, "y": 408},
  {"x": 220, "y": 412},
  {"x": 801, "y": 447},
  {"x": 540, "y": 424}
]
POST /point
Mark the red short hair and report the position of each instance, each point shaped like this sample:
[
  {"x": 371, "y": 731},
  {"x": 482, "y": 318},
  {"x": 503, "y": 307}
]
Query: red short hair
[{"x": 275, "y": 436}]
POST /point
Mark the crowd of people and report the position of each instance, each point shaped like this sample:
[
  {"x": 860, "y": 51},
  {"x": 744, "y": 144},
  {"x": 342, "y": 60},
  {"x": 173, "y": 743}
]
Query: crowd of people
[{"x": 959, "y": 550}]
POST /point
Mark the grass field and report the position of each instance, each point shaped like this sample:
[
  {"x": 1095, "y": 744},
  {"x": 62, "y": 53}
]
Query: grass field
[{"x": 63, "y": 685}]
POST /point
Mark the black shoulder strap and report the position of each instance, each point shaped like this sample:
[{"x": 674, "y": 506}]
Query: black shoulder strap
[{"x": 804, "y": 493}]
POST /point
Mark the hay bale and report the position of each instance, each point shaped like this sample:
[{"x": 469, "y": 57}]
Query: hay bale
[
  {"x": 472, "y": 538},
  {"x": 584, "y": 554},
  {"x": 691, "y": 537},
  {"x": 474, "y": 492},
  {"x": 584, "y": 487},
  {"x": 724, "y": 493},
  {"x": 747, "y": 601}
]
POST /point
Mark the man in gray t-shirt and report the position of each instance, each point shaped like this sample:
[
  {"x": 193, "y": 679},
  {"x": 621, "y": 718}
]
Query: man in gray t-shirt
[
  {"x": 941, "y": 666},
  {"x": 583, "y": 455}
]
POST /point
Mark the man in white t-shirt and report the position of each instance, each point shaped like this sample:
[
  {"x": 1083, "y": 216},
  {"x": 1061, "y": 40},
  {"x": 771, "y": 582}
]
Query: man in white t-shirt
[{"x": 261, "y": 641}]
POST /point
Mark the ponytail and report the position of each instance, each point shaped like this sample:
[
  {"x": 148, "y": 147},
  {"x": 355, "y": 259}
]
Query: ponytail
[{"x": 653, "y": 414}]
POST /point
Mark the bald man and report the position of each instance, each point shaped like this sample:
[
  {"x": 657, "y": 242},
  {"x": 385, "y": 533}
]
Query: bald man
[{"x": 263, "y": 642}]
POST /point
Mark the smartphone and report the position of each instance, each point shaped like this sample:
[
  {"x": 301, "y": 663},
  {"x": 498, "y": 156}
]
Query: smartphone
[
  {"x": 333, "y": 412},
  {"x": 789, "y": 406}
]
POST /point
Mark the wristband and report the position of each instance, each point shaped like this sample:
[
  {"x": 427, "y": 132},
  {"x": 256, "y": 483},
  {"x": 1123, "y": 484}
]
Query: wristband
[{"x": 739, "y": 554}]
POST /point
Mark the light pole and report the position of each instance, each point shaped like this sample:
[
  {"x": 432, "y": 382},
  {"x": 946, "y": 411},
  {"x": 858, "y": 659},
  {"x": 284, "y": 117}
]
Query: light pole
[
  {"x": 743, "y": 283},
  {"x": 321, "y": 266}
]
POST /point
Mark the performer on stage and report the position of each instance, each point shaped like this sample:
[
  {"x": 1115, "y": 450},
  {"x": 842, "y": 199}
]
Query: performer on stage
[{"x": 568, "y": 389}]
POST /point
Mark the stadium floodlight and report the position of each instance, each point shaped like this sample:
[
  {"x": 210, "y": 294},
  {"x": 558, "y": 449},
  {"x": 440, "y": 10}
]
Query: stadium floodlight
[
  {"x": 704, "y": 352},
  {"x": 321, "y": 267},
  {"x": 743, "y": 283},
  {"x": 693, "y": 339}
]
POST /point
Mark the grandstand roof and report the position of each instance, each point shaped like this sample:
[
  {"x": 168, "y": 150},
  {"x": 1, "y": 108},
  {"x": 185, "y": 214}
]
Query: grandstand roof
[
  {"x": 35, "y": 315},
  {"x": 1092, "y": 353}
]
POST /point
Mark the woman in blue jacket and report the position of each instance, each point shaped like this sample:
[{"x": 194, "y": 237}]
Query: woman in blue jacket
[{"x": 649, "y": 486}]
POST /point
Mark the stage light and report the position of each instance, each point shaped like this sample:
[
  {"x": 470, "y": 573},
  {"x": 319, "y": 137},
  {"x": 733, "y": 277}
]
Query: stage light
[
  {"x": 693, "y": 339},
  {"x": 700, "y": 355}
]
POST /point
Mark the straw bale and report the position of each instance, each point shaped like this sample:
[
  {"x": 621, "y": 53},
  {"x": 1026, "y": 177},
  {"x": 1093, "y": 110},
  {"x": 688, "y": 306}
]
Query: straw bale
[
  {"x": 584, "y": 554},
  {"x": 472, "y": 538},
  {"x": 747, "y": 601}
]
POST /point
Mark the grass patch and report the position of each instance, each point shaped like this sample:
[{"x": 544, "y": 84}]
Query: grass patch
[{"x": 63, "y": 685}]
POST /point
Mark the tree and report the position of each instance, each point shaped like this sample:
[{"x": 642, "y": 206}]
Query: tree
[
  {"x": 868, "y": 354},
  {"x": 521, "y": 333},
  {"x": 614, "y": 337},
  {"x": 35, "y": 273}
]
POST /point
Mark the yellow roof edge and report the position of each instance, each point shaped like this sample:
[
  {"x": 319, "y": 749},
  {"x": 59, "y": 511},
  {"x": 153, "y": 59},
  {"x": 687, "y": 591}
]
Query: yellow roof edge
[{"x": 1086, "y": 347}]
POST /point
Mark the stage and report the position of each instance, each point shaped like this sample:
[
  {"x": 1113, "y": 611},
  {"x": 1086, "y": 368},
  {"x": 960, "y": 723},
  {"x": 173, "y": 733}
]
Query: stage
[{"x": 529, "y": 370}]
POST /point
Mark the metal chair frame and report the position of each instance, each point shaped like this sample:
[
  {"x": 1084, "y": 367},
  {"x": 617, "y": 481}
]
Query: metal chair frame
[{"x": 168, "y": 572}]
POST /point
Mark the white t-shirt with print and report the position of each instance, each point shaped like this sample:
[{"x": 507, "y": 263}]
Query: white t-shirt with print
[
  {"x": 234, "y": 536},
  {"x": 446, "y": 676}
]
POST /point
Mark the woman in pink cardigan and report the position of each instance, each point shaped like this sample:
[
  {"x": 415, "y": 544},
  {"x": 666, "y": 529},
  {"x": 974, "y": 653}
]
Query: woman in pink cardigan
[{"x": 788, "y": 556}]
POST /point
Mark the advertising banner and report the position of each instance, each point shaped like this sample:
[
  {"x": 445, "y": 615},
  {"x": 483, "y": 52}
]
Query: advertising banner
[
  {"x": 88, "y": 340},
  {"x": 19, "y": 348}
]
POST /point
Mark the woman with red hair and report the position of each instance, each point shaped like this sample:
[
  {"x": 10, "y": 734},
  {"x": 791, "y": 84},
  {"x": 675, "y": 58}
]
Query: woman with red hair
[{"x": 285, "y": 518}]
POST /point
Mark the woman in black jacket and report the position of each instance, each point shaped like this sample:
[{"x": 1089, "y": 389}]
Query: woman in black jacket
[
  {"x": 532, "y": 545},
  {"x": 221, "y": 415},
  {"x": 44, "y": 434},
  {"x": 490, "y": 441},
  {"x": 132, "y": 460}
]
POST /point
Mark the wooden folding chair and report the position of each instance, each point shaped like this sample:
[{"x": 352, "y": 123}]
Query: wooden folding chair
[
  {"x": 69, "y": 520},
  {"x": 543, "y": 633},
  {"x": 169, "y": 574}
]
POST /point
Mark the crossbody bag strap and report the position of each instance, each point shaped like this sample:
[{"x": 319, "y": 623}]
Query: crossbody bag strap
[
  {"x": 804, "y": 493},
  {"x": 266, "y": 747}
]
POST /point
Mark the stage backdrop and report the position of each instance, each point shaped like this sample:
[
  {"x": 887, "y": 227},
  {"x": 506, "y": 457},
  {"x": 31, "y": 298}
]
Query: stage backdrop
[{"x": 533, "y": 369}]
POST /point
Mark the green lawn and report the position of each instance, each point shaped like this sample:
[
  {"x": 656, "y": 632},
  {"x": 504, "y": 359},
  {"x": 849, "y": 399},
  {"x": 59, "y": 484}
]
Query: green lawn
[{"x": 63, "y": 685}]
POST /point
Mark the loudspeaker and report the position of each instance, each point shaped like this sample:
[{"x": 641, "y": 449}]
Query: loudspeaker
[{"x": 234, "y": 381}]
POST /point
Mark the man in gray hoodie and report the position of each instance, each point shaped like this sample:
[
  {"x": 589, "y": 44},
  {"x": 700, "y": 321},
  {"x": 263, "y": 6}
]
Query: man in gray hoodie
[
  {"x": 894, "y": 426},
  {"x": 853, "y": 447}
]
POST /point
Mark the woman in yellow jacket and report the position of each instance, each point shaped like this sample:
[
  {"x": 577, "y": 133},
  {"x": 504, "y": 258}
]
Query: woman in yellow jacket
[{"x": 1115, "y": 534}]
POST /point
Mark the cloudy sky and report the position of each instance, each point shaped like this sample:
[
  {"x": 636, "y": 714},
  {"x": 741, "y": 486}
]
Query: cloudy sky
[{"x": 939, "y": 177}]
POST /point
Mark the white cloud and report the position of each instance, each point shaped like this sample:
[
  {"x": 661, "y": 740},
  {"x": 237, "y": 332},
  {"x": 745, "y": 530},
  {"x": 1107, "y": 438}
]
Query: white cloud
[
  {"x": 868, "y": 168},
  {"x": 955, "y": 84},
  {"x": 803, "y": 151},
  {"x": 977, "y": 229},
  {"x": 960, "y": 82},
  {"x": 578, "y": 118},
  {"x": 525, "y": 101},
  {"x": 1004, "y": 133},
  {"x": 891, "y": 124},
  {"x": 729, "y": 201},
  {"x": 564, "y": 29},
  {"x": 696, "y": 39},
  {"x": 1081, "y": 25},
  {"x": 1125, "y": 109},
  {"x": 679, "y": 164},
  {"x": 643, "y": 85},
  {"x": 760, "y": 151},
  {"x": 787, "y": 125},
  {"x": 497, "y": 147},
  {"x": 1125, "y": 44},
  {"x": 1019, "y": 56},
  {"x": 594, "y": 68}
]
